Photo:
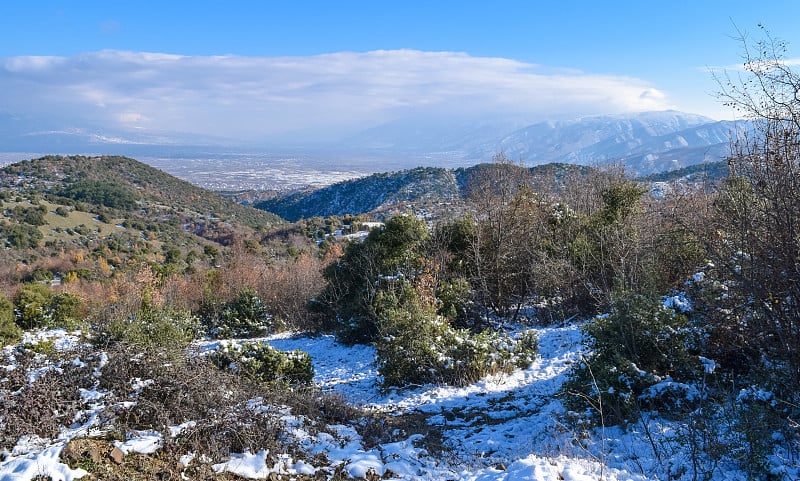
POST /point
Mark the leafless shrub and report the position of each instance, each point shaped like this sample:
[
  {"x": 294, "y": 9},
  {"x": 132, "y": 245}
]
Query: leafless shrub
[
  {"x": 171, "y": 391},
  {"x": 288, "y": 289},
  {"x": 327, "y": 408},
  {"x": 234, "y": 430},
  {"x": 40, "y": 405},
  {"x": 228, "y": 413}
]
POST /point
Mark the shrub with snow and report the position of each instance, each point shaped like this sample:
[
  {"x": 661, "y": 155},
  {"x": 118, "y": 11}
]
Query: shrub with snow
[
  {"x": 417, "y": 347},
  {"x": 641, "y": 357},
  {"x": 264, "y": 363}
]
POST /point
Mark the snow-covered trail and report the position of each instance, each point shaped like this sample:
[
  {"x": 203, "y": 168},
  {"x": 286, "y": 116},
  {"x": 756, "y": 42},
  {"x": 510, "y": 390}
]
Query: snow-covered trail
[
  {"x": 495, "y": 421},
  {"x": 350, "y": 371},
  {"x": 504, "y": 427}
]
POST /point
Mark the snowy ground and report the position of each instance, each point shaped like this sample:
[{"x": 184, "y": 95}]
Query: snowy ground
[{"x": 503, "y": 428}]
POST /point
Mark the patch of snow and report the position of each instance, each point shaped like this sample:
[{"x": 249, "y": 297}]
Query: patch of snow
[
  {"x": 755, "y": 394},
  {"x": 709, "y": 366},
  {"x": 187, "y": 458},
  {"x": 138, "y": 384},
  {"x": 535, "y": 467},
  {"x": 678, "y": 302},
  {"x": 257, "y": 466},
  {"x": 677, "y": 389},
  {"x": 91, "y": 395},
  {"x": 175, "y": 431},
  {"x": 246, "y": 465},
  {"x": 362, "y": 464},
  {"x": 62, "y": 339},
  {"x": 347, "y": 370},
  {"x": 142, "y": 442},
  {"x": 39, "y": 464}
]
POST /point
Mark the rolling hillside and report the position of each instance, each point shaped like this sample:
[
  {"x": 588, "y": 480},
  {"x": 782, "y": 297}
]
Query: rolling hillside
[
  {"x": 59, "y": 202},
  {"x": 149, "y": 187}
]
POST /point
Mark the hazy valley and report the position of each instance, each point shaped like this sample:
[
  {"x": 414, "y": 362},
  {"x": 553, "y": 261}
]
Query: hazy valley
[{"x": 644, "y": 143}]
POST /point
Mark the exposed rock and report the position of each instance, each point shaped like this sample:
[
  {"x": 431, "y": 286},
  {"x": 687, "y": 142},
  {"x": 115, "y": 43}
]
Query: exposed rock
[{"x": 117, "y": 455}]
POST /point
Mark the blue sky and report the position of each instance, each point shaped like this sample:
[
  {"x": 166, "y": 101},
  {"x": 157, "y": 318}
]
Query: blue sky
[{"x": 261, "y": 68}]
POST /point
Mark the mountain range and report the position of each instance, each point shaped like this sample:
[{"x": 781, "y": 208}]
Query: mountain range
[{"x": 645, "y": 143}]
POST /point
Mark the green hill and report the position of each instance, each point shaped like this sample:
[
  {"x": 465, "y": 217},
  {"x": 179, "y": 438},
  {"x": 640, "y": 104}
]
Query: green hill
[
  {"x": 123, "y": 180},
  {"x": 77, "y": 201}
]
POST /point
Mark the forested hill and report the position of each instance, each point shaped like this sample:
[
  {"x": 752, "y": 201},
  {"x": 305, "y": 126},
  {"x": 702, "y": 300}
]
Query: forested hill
[
  {"x": 116, "y": 206},
  {"x": 711, "y": 172},
  {"x": 423, "y": 186},
  {"x": 126, "y": 184}
]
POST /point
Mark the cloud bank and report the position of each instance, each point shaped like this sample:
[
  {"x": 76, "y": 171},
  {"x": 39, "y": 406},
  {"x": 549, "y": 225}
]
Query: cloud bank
[{"x": 267, "y": 98}]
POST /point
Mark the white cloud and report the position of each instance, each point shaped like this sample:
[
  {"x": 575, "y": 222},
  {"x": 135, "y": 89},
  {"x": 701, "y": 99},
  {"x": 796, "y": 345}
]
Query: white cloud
[
  {"x": 23, "y": 65},
  {"x": 131, "y": 118},
  {"x": 332, "y": 94},
  {"x": 748, "y": 66}
]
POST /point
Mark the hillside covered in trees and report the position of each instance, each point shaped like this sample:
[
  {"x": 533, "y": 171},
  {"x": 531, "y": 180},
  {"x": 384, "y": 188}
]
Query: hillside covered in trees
[
  {"x": 425, "y": 188},
  {"x": 125, "y": 184}
]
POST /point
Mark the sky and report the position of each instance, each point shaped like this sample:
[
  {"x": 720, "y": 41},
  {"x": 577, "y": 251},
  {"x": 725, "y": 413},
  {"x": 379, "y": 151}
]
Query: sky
[{"x": 260, "y": 70}]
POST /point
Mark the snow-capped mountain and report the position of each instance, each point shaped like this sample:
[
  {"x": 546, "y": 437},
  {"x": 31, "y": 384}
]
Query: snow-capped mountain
[
  {"x": 645, "y": 143},
  {"x": 52, "y": 135},
  {"x": 439, "y": 133}
]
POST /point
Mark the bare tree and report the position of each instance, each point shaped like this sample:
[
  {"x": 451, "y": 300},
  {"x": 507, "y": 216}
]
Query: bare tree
[
  {"x": 509, "y": 218},
  {"x": 758, "y": 211},
  {"x": 766, "y": 89}
]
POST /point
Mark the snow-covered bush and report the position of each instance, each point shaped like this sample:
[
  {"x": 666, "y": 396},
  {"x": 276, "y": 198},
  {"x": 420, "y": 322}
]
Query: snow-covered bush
[
  {"x": 264, "y": 363},
  {"x": 472, "y": 357},
  {"x": 417, "y": 346},
  {"x": 641, "y": 357}
]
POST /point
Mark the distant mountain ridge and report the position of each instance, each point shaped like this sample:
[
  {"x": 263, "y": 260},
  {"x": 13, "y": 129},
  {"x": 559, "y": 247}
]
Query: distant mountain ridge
[{"x": 645, "y": 143}]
